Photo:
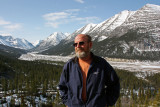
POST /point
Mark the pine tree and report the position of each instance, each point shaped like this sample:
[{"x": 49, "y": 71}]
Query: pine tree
[
  {"x": 142, "y": 96},
  {"x": 118, "y": 103},
  {"x": 57, "y": 101},
  {"x": 132, "y": 95},
  {"x": 157, "y": 98},
  {"x": 139, "y": 96}
]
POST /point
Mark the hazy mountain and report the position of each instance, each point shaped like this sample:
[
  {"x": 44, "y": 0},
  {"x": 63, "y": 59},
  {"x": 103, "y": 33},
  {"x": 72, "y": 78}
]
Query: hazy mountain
[
  {"x": 52, "y": 40},
  {"x": 129, "y": 34},
  {"x": 36, "y": 43},
  {"x": 15, "y": 42},
  {"x": 11, "y": 51}
]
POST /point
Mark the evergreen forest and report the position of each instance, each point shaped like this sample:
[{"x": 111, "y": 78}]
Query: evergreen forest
[{"x": 32, "y": 82}]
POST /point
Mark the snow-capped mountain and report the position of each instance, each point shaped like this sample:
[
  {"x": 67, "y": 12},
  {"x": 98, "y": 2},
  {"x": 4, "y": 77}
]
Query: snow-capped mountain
[
  {"x": 82, "y": 30},
  {"x": 36, "y": 43},
  {"x": 127, "y": 34},
  {"x": 15, "y": 42},
  {"x": 50, "y": 41},
  {"x": 102, "y": 30},
  {"x": 146, "y": 19}
]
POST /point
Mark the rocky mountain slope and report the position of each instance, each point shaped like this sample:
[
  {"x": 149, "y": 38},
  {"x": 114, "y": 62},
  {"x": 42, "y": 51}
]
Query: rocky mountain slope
[
  {"x": 15, "y": 42},
  {"x": 11, "y": 51},
  {"x": 129, "y": 34},
  {"x": 52, "y": 40}
]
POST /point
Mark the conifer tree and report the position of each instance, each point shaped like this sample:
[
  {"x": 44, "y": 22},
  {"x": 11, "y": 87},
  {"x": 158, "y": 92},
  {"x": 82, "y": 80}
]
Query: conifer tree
[{"x": 118, "y": 103}]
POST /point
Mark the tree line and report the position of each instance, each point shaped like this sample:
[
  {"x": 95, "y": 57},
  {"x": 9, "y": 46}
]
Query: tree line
[{"x": 31, "y": 77}]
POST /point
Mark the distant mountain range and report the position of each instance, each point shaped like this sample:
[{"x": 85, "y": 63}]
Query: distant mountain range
[
  {"x": 15, "y": 42},
  {"x": 11, "y": 51},
  {"x": 50, "y": 41},
  {"x": 128, "y": 34},
  {"x": 39, "y": 45}
]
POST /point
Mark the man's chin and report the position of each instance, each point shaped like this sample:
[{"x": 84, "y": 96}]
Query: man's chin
[{"x": 81, "y": 54}]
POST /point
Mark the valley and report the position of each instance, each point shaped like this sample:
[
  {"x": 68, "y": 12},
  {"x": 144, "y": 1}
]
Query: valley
[
  {"x": 127, "y": 64},
  {"x": 129, "y": 41}
]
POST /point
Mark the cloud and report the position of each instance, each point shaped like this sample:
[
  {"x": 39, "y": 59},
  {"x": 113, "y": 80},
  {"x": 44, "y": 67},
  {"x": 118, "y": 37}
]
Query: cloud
[
  {"x": 9, "y": 26},
  {"x": 80, "y": 1},
  {"x": 67, "y": 16},
  {"x": 13, "y": 26},
  {"x": 72, "y": 10},
  {"x": 55, "y": 16},
  {"x": 87, "y": 20},
  {"x": 3, "y": 22},
  {"x": 4, "y": 33},
  {"x": 53, "y": 24}
]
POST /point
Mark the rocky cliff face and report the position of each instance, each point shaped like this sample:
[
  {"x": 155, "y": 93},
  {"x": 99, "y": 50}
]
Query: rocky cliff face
[
  {"x": 8, "y": 40},
  {"x": 129, "y": 34},
  {"x": 52, "y": 40}
]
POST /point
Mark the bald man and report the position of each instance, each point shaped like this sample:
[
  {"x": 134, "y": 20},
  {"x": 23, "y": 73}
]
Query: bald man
[{"x": 88, "y": 80}]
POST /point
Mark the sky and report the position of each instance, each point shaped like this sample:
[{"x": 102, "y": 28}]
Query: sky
[{"x": 37, "y": 19}]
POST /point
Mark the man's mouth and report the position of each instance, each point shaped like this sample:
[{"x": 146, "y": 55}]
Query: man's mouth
[{"x": 79, "y": 50}]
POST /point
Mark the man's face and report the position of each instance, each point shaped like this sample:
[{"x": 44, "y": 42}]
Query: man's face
[{"x": 82, "y": 46}]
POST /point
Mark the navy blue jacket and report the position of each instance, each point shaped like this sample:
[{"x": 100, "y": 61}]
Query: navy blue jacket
[{"x": 102, "y": 84}]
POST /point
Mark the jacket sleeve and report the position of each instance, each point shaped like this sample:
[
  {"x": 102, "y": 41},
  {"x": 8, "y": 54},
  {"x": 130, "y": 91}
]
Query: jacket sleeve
[
  {"x": 112, "y": 88},
  {"x": 62, "y": 86}
]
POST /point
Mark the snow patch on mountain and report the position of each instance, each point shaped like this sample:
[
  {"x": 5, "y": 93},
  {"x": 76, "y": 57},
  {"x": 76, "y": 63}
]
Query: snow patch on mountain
[
  {"x": 15, "y": 42},
  {"x": 102, "y": 38},
  {"x": 153, "y": 7},
  {"x": 34, "y": 56},
  {"x": 37, "y": 42},
  {"x": 131, "y": 65},
  {"x": 53, "y": 40}
]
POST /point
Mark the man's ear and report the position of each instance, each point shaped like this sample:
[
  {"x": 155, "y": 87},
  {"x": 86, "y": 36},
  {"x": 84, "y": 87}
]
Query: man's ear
[{"x": 90, "y": 44}]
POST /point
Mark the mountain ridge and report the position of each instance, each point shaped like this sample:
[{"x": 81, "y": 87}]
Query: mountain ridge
[
  {"x": 51, "y": 40},
  {"x": 129, "y": 33},
  {"x": 15, "y": 42}
]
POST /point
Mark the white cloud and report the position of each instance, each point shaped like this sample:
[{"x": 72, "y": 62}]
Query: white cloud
[
  {"x": 55, "y": 16},
  {"x": 87, "y": 20},
  {"x": 13, "y": 26},
  {"x": 72, "y": 10},
  {"x": 3, "y": 22},
  {"x": 9, "y": 26},
  {"x": 53, "y": 24},
  {"x": 80, "y": 1},
  {"x": 67, "y": 16},
  {"x": 5, "y": 34}
]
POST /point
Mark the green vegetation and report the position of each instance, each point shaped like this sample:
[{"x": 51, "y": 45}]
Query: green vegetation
[
  {"x": 132, "y": 45},
  {"x": 114, "y": 47},
  {"x": 35, "y": 78},
  {"x": 11, "y": 52},
  {"x": 29, "y": 78},
  {"x": 138, "y": 92}
]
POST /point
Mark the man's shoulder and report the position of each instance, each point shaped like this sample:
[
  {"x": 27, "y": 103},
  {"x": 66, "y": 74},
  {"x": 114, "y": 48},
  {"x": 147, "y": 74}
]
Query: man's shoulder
[
  {"x": 71, "y": 61},
  {"x": 102, "y": 61},
  {"x": 99, "y": 59}
]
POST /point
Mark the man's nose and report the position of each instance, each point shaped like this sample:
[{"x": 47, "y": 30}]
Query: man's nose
[{"x": 78, "y": 45}]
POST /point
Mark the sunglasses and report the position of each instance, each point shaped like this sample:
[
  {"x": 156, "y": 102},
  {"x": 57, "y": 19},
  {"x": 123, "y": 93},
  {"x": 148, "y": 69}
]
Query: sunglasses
[{"x": 80, "y": 43}]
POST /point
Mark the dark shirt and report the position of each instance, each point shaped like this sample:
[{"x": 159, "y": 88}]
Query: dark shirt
[{"x": 102, "y": 84}]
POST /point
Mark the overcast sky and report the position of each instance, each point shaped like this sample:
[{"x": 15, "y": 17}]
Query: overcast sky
[{"x": 37, "y": 19}]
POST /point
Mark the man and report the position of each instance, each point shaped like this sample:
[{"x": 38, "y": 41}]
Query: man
[{"x": 88, "y": 80}]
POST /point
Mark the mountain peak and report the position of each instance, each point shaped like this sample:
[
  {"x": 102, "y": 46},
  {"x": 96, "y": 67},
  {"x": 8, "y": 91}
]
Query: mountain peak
[
  {"x": 53, "y": 40},
  {"x": 15, "y": 42},
  {"x": 56, "y": 36},
  {"x": 151, "y": 7}
]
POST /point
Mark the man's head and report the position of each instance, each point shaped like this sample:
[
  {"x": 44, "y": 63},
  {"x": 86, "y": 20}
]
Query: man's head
[{"x": 82, "y": 44}]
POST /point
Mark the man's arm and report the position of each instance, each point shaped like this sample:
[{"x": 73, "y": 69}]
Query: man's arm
[
  {"x": 112, "y": 87},
  {"x": 63, "y": 89}
]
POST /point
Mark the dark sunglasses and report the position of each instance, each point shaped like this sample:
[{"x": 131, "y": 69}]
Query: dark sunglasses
[{"x": 80, "y": 43}]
